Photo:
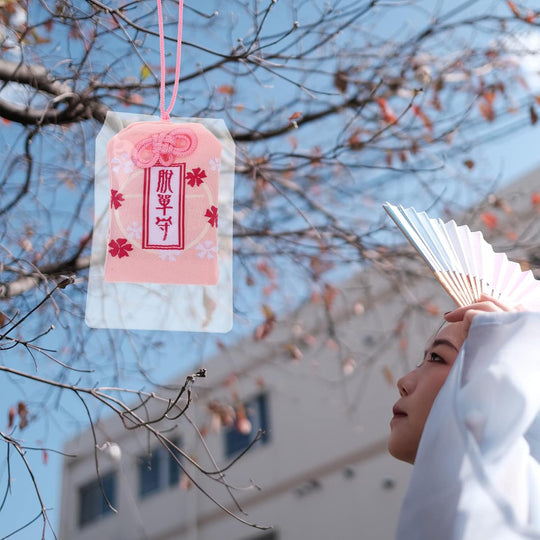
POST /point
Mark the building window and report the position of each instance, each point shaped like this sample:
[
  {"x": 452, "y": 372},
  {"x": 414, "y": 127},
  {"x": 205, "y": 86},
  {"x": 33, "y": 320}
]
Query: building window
[
  {"x": 92, "y": 503},
  {"x": 158, "y": 470},
  {"x": 257, "y": 414}
]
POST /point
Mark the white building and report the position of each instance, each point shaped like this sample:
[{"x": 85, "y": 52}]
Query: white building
[{"x": 322, "y": 468}]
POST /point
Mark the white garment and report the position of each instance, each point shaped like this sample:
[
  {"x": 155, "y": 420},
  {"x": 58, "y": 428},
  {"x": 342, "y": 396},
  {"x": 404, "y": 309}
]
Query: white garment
[{"x": 477, "y": 470}]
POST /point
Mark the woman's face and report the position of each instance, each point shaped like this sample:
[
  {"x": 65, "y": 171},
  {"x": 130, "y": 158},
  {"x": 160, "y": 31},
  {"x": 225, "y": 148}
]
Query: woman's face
[{"x": 419, "y": 388}]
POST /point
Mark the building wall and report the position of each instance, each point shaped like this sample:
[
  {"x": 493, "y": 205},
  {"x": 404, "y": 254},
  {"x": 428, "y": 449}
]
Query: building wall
[{"x": 324, "y": 472}]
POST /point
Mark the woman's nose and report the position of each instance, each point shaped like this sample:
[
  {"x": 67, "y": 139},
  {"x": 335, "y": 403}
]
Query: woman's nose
[{"x": 406, "y": 384}]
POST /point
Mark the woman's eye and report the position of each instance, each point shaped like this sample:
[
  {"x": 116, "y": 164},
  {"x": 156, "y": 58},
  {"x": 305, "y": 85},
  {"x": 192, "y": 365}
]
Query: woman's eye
[{"x": 434, "y": 357}]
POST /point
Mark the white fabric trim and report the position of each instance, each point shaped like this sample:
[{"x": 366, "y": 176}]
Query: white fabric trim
[{"x": 477, "y": 470}]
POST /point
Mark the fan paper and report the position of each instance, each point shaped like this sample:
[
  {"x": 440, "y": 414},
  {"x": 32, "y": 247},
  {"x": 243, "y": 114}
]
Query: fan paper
[
  {"x": 162, "y": 247},
  {"x": 464, "y": 263}
]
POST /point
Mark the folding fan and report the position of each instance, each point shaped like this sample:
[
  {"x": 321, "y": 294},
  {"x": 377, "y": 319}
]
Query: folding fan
[{"x": 463, "y": 262}]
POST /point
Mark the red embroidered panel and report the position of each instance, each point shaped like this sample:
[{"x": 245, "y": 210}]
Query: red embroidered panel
[
  {"x": 164, "y": 207},
  {"x": 164, "y": 201}
]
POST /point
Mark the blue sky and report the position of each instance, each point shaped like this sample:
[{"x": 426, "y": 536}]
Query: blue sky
[{"x": 509, "y": 157}]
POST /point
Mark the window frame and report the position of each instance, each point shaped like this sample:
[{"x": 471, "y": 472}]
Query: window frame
[
  {"x": 236, "y": 442},
  {"x": 92, "y": 504},
  {"x": 168, "y": 470}
]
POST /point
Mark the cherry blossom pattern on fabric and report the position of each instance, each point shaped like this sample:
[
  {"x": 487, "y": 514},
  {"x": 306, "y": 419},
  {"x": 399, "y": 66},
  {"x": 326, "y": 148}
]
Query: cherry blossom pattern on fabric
[
  {"x": 120, "y": 248},
  {"x": 206, "y": 250},
  {"x": 134, "y": 230},
  {"x": 167, "y": 255},
  {"x": 195, "y": 177},
  {"x": 212, "y": 215},
  {"x": 213, "y": 163},
  {"x": 116, "y": 199},
  {"x": 122, "y": 163}
]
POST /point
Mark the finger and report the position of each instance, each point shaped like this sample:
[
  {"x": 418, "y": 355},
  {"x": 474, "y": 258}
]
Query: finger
[
  {"x": 504, "y": 307},
  {"x": 471, "y": 314},
  {"x": 479, "y": 307},
  {"x": 487, "y": 306}
]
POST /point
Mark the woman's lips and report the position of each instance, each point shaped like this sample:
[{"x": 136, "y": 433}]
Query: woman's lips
[{"x": 398, "y": 413}]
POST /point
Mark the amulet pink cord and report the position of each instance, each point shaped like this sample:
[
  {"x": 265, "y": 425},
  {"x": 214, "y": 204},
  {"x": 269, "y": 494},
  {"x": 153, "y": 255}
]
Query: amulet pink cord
[{"x": 165, "y": 114}]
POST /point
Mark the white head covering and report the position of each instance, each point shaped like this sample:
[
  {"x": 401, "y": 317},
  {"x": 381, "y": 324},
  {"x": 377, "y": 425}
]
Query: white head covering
[{"x": 477, "y": 470}]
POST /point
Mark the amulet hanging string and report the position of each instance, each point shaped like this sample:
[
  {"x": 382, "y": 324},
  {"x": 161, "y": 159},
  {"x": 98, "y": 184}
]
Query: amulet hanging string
[{"x": 165, "y": 114}]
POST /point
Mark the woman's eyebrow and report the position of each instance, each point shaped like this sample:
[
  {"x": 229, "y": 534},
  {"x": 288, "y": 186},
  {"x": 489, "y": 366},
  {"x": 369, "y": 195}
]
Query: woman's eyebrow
[{"x": 444, "y": 342}]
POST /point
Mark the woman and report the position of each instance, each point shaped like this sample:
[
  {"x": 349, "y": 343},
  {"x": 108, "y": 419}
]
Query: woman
[{"x": 469, "y": 420}]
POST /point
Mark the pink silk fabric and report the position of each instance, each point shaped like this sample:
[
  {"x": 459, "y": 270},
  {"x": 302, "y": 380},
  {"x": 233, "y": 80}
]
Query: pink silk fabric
[{"x": 164, "y": 180}]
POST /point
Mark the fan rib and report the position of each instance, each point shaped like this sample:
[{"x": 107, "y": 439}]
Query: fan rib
[{"x": 463, "y": 262}]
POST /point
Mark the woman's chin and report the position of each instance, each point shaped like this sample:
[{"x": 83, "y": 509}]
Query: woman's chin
[{"x": 397, "y": 451}]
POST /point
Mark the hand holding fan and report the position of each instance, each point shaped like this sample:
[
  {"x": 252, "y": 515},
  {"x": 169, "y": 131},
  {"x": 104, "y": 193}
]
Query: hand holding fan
[{"x": 463, "y": 262}]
